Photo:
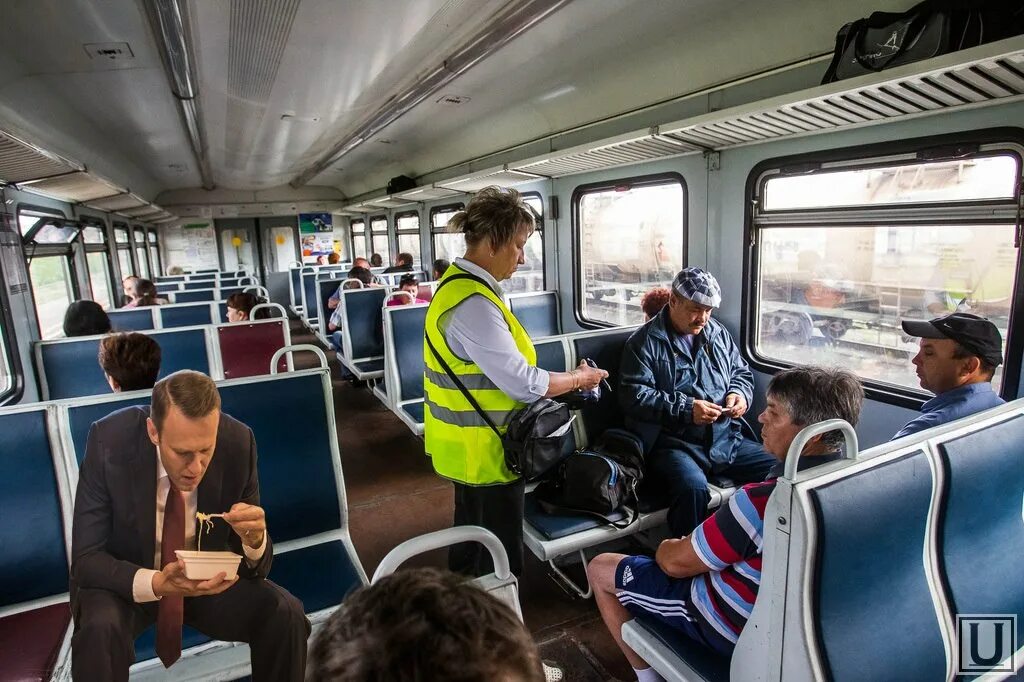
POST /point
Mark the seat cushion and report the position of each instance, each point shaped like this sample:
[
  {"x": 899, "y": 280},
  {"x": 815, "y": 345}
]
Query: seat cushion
[
  {"x": 370, "y": 366},
  {"x": 708, "y": 664},
  {"x": 145, "y": 644},
  {"x": 30, "y": 642},
  {"x": 415, "y": 411},
  {"x": 554, "y": 526},
  {"x": 320, "y": 576}
]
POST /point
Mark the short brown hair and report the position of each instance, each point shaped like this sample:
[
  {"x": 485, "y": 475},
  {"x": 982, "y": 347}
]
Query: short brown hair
[
  {"x": 423, "y": 624},
  {"x": 654, "y": 300},
  {"x": 816, "y": 394},
  {"x": 131, "y": 359},
  {"x": 333, "y": 257},
  {"x": 193, "y": 393},
  {"x": 493, "y": 213}
]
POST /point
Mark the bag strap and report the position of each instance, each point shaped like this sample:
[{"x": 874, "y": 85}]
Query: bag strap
[{"x": 448, "y": 370}]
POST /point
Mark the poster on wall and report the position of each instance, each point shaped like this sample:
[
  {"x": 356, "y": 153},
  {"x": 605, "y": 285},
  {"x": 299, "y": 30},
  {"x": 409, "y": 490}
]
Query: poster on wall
[{"x": 317, "y": 233}]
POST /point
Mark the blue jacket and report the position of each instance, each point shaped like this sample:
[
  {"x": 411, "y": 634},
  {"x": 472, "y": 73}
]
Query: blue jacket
[
  {"x": 952, "y": 405},
  {"x": 659, "y": 385}
]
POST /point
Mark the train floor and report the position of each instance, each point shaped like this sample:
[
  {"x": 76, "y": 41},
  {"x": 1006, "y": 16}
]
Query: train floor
[{"x": 394, "y": 495}]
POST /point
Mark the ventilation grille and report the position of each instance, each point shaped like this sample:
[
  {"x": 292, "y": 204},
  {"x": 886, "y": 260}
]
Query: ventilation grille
[
  {"x": 620, "y": 153},
  {"x": 502, "y": 178},
  {"x": 387, "y": 202},
  {"x": 20, "y": 161},
  {"x": 966, "y": 82},
  {"x": 74, "y": 187}
]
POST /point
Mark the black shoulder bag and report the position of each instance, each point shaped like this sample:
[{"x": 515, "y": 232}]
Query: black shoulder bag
[{"x": 530, "y": 449}]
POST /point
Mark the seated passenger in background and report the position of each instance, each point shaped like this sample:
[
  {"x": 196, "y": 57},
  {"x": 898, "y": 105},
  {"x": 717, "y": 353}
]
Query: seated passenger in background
[
  {"x": 410, "y": 285},
  {"x": 240, "y": 307},
  {"x": 128, "y": 285},
  {"x": 334, "y": 324},
  {"x": 958, "y": 357},
  {"x": 403, "y": 263},
  {"x": 376, "y": 260},
  {"x": 423, "y": 624},
  {"x": 130, "y": 361},
  {"x": 85, "y": 318},
  {"x": 704, "y": 585},
  {"x": 145, "y": 295},
  {"x": 440, "y": 267},
  {"x": 333, "y": 258},
  {"x": 684, "y": 388},
  {"x": 146, "y": 472},
  {"x": 361, "y": 262},
  {"x": 653, "y": 301}
]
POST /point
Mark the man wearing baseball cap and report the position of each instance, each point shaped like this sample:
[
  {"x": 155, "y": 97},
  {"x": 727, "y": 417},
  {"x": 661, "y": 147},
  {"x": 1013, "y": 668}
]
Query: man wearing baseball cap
[
  {"x": 684, "y": 388},
  {"x": 958, "y": 356}
]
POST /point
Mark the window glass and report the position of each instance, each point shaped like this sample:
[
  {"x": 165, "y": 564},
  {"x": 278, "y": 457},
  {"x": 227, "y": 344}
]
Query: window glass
[
  {"x": 99, "y": 278},
  {"x": 121, "y": 235},
  {"x": 446, "y": 245},
  {"x": 154, "y": 258},
  {"x": 358, "y": 239},
  {"x": 140, "y": 236},
  {"x": 631, "y": 240},
  {"x": 51, "y": 286},
  {"x": 152, "y": 236},
  {"x": 94, "y": 235},
  {"x": 408, "y": 228},
  {"x": 833, "y": 287},
  {"x": 124, "y": 263},
  {"x": 379, "y": 239},
  {"x": 6, "y": 372},
  {"x": 140, "y": 258},
  {"x": 991, "y": 177},
  {"x": 530, "y": 275},
  {"x": 47, "y": 234}
]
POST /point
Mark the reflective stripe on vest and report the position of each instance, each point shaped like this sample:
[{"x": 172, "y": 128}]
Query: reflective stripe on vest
[{"x": 460, "y": 443}]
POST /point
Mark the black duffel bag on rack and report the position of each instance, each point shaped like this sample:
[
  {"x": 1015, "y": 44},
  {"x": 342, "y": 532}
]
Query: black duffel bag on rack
[{"x": 928, "y": 29}]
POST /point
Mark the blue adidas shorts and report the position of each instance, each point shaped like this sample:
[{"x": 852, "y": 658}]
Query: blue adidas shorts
[{"x": 646, "y": 591}]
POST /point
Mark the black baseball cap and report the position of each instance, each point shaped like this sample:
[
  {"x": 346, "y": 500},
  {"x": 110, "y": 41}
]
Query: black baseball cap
[{"x": 976, "y": 334}]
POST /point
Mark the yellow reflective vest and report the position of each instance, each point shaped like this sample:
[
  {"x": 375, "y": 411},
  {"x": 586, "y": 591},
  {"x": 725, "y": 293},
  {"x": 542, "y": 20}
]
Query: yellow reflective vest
[{"x": 461, "y": 444}]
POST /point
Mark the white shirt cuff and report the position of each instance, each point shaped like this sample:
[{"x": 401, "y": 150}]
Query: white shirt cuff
[
  {"x": 254, "y": 555},
  {"x": 142, "y": 586}
]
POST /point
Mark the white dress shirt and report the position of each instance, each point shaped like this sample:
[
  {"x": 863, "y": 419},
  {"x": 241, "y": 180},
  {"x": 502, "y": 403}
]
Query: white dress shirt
[
  {"x": 142, "y": 586},
  {"x": 476, "y": 330}
]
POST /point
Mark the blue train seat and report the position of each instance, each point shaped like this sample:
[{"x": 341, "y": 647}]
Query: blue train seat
[
  {"x": 404, "y": 362},
  {"x": 34, "y": 612},
  {"x": 67, "y": 368},
  {"x": 362, "y": 332},
  {"x": 186, "y": 315},
  {"x": 132, "y": 319},
  {"x": 167, "y": 287},
  {"x": 325, "y": 289},
  {"x": 605, "y": 349},
  {"x": 194, "y": 296},
  {"x": 199, "y": 284},
  {"x": 309, "y": 297},
  {"x": 538, "y": 312}
]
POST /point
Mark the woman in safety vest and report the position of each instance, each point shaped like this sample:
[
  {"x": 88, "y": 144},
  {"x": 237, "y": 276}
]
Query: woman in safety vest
[{"x": 490, "y": 353}]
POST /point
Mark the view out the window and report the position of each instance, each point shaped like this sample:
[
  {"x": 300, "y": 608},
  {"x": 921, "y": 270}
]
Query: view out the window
[
  {"x": 121, "y": 235},
  {"x": 94, "y": 235},
  {"x": 408, "y": 229},
  {"x": 447, "y": 245},
  {"x": 379, "y": 238},
  {"x": 51, "y": 287},
  {"x": 358, "y": 239},
  {"x": 99, "y": 279},
  {"x": 631, "y": 240},
  {"x": 530, "y": 275},
  {"x": 833, "y": 291}
]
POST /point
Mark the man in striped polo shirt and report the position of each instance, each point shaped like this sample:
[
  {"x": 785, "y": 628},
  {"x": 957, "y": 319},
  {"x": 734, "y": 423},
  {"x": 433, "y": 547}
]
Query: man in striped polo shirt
[{"x": 704, "y": 585}]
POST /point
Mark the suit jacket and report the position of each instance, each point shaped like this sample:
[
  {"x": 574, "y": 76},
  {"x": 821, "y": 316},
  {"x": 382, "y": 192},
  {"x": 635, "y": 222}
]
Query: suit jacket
[{"x": 114, "y": 525}]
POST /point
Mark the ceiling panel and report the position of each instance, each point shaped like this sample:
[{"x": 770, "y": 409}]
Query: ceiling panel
[{"x": 73, "y": 187}]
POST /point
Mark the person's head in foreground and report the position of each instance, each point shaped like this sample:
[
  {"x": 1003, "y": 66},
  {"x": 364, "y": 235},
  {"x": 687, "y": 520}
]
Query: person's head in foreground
[
  {"x": 423, "y": 624},
  {"x": 955, "y": 350},
  {"x": 85, "y": 318},
  {"x": 496, "y": 223},
  {"x": 440, "y": 266},
  {"x": 183, "y": 423},
  {"x": 130, "y": 361},
  {"x": 801, "y": 396},
  {"x": 240, "y": 306},
  {"x": 654, "y": 300},
  {"x": 695, "y": 293}
]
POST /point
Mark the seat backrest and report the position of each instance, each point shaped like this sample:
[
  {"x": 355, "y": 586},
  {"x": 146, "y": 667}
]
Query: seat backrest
[
  {"x": 275, "y": 408},
  {"x": 229, "y": 282},
  {"x": 246, "y": 348},
  {"x": 605, "y": 349},
  {"x": 33, "y": 563},
  {"x": 226, "y": 292},
  {"x": 68, "y": 368},
  {"x": 551, "y": 354},
  {"x": 325, "y": 289},
  {"x": 193, "y": 296},
  {"x": 537, "y": 312},
  {"x": 166, "y": 287},
  {"x": 169, "y": 278},
  {"x": 362, "y": 322},
  {"x": 426, "y": 291},
  {"x": 870, "y": 588},
  {"x": 132, "y": 319},
  {"x": 982, "y": 534},
  {"x": 405, "y": 325},
  {"x": 82, "y": 412},
  {"x": 294, "y": 285},
  {"x": 309, "y": 295},
  {"x": 186, "y": 314},
  {"x": 200, "y": 284}
]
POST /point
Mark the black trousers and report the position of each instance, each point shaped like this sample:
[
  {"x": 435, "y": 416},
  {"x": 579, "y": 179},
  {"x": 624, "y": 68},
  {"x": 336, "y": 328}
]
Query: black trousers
[
  {"x": 499, "y": 509},
  {"x": 255, "y": 611}
]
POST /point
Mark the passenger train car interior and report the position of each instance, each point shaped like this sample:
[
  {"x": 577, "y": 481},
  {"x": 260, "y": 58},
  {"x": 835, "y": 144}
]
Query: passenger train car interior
[{"x": 209, "y": 172}]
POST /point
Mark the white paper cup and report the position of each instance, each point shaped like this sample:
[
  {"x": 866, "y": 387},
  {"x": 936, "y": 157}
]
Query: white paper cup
[{"x": 206, "y": 565}]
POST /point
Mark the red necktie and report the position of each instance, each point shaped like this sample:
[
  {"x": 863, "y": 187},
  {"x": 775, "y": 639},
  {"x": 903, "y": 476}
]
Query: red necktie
[{"x": 171, "y": 611}]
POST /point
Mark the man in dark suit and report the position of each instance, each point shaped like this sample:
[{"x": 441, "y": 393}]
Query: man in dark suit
[{"x": 146, "y": 473}]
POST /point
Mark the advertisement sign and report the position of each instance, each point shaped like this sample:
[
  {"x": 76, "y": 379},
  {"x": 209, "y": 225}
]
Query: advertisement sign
[{"x": 317, "y": 233}]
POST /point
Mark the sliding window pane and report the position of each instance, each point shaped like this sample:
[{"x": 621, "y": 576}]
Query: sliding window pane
[
  {"x": 99, "y": 279},
  {"x": 51, "y": 287}
]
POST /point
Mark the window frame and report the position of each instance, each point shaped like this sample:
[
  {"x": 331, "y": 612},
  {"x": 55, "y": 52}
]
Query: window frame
[
  {"x": 7, "y": 338},
  {"x": 352, "y": 235},
  {"x": 543, "y": 237},
  {"x": 406, "y": 232},
  {"x": 994, "y": 141},
  {"x": 33, "y": 250},
  {"x": 88, "y": 221},
  {"x": 155, "y": 269},
  {"x": 121, "y": 247},
  {"x": 434, "y": 210},
  {"x": 630, "y": 182},
  {"x": 387, "y": 257},
  {"x": 145, "y": 250}
]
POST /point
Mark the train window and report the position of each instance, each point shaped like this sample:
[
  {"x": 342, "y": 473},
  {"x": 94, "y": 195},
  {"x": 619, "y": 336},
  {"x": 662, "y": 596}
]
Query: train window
[
  {"x": 630, "y": 239},
  {"x": 841, "y": 256},
  {"x": 51, "y": 287},
  {"x": 530, "y": 275},
  {"x": 379, "y": 237},
  {"x": 141, "y": 259},
  {"x": 154, "y": 253},
  {"x": 407, "y": 226},
  {"x": 124, "y": 255},
  {"x": 446, "y": 244},
  {"x": 358, "y": 238},
  {"x": 92, "y": 234},
  {"x": 121, "y": 235},
  {"x": 99, "y": 278}
]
